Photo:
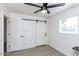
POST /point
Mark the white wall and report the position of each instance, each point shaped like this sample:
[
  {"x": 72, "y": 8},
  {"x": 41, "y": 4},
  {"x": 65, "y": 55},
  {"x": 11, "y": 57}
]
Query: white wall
[
  {"x": 1, "y": 32},
  {"x": 60, "y": 41}
]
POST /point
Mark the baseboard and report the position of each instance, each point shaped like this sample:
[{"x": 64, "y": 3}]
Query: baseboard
[
  {"x": 58, "y": 50},
  {"x": 1, "y": 54},
  {"x": 41, "y": 45}
]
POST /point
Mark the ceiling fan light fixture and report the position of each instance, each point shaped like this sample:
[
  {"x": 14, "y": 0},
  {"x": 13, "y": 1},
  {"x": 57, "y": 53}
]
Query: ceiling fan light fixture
[{"x": 44, "y": 11}]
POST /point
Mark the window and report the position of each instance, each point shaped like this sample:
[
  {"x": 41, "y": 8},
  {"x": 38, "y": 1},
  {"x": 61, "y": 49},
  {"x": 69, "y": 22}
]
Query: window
[{"x": 69, "y": 25}]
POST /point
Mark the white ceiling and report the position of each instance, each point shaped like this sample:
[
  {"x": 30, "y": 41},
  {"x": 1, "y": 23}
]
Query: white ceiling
[{"x": 28, "y": 10}]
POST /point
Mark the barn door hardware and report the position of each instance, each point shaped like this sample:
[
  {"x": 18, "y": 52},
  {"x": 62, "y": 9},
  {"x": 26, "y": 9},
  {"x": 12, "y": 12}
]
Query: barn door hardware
[
  {"x": 29, "y": 19},
  {"x": 35, "y": 20},
  {"x": 42, "y": 21}
]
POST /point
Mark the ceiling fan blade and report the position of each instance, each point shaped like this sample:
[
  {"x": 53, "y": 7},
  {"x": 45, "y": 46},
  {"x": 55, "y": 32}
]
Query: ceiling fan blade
[
  {"x": 32, "y": 5},
  {"x": 56, "y": 5},
  {"x": 48, "y": 11},
  {"x": 37, "y": 11}
]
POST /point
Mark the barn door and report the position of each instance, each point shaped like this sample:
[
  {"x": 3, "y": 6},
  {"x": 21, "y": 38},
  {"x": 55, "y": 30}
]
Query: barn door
[
  {"x": 29, "y": 28},
  {"x": 16, "y": 40},
  {"x": 41, "y": 33}
]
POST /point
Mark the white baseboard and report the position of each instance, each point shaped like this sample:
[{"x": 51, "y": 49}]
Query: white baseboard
[
  {"x": 58, "y": 50},
  {"x": 1, "y": 54}
]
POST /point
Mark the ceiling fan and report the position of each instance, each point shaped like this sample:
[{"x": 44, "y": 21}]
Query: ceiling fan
[{"x": 44, "y": 8}]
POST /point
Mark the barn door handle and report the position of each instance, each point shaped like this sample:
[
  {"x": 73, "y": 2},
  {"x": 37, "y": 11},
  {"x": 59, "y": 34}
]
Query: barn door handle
[
  {"x": 22, "y": 36},
  {"x": 45, "y": 34}
]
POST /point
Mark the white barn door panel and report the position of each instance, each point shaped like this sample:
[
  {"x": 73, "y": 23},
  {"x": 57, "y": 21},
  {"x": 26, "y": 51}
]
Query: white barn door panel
[
  {"x": 16, "y": 41},
  {"x": 41, "y": 33},
  {"x": 29, "y": 28}
]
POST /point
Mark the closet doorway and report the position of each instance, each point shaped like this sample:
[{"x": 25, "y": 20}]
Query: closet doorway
[{"x": 26, "y": 33}]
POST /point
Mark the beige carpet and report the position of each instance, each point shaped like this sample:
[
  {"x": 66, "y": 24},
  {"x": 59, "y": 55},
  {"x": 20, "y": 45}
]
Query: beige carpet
[{"x": 37, "y": 51}]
